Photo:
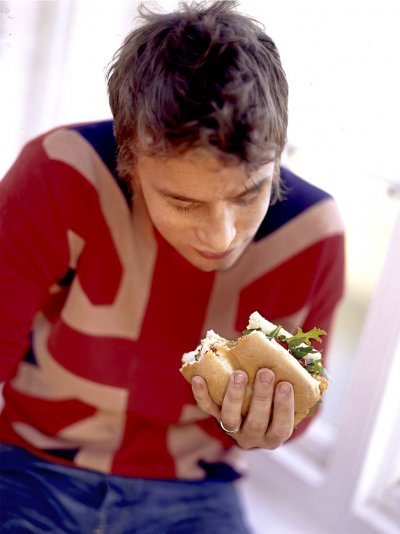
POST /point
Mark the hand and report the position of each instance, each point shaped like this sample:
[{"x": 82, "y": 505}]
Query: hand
[{"x": 270, "y": 419}]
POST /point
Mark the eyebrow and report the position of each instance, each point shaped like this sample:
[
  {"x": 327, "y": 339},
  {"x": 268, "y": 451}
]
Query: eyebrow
[
  {"x": 254, "y": 188},
  {"x": 257, "y": 186}
]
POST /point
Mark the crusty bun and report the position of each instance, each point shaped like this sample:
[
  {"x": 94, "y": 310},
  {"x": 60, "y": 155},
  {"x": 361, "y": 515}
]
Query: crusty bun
[{"x": 216, "y": 358}]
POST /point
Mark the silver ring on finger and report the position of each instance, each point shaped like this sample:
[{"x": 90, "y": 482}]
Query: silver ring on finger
[{"x": 235, "y": 431}]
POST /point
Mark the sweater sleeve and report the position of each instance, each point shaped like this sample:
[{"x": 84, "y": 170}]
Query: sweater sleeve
[
  {"x": 326, "y": 294},
  {"x": 34, "y": 248},
  {"x": 327, "y": 289}
]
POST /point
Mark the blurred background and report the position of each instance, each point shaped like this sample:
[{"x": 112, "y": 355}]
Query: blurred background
[{"x": 342, "y": 63}]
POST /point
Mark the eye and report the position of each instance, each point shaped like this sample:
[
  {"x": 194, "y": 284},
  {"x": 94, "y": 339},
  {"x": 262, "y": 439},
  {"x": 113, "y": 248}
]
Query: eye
[
  {"x": 183, "y": 206},
  {"x": 253, "y": 194},
  {"x": 247, "y": 200}
]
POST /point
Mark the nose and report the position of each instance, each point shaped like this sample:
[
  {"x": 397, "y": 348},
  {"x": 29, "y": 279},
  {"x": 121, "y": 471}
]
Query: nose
[{"x": 218, "y": 230}]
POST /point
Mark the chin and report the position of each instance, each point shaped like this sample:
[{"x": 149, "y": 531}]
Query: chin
[
  {"x": 206, "y": 265},
  {"x": 203, "y": 264}
]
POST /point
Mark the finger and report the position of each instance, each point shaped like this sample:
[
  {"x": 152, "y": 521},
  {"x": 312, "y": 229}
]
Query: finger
[
  {"x": 233, "y": 400},
  {"x": 257, "y": 420},
  {"x": 202, "y": 397},
  {"x": 281, "y": 427}
]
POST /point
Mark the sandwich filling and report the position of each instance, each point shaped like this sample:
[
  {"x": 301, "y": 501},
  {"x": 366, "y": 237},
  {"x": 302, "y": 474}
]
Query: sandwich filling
[
  {"x": 211, "y": 342},
  {"x": 299, "y": 345}
]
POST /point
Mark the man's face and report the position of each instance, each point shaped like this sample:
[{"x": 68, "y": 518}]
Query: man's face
[{"x": 207, "y": 211}]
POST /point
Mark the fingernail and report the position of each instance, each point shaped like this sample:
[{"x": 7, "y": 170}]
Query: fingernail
[
  {"x": 285, "y": 388},
  {"x": 239, "y": 378},
  {"x": 266, "y": 377},
  {"x": 196, "y": 382}
]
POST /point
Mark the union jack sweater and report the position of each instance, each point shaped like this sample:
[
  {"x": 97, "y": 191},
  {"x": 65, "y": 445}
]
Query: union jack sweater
[{"x": 97, "y": 309}]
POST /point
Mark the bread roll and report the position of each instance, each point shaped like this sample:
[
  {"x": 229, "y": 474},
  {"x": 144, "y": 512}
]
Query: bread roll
[{"x": 216, "y": 358}]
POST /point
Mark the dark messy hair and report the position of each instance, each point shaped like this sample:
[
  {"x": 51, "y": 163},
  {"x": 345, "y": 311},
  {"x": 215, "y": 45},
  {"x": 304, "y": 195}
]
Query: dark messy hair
[{"x": 203, "y": 76}]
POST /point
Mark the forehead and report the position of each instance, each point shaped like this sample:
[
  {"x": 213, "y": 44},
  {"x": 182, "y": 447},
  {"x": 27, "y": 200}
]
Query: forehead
[{"x": 199, "y": 170}]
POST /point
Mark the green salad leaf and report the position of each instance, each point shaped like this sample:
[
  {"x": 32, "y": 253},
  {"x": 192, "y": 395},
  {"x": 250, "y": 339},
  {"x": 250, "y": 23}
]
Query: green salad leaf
[
  {"x": 299, "y": 346},
  {"x": 304, "y": 337},
  {"x": 245, "y": 332}
]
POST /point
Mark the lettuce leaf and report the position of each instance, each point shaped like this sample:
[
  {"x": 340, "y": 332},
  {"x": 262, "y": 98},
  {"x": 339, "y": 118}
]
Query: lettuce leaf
[
  {"x": 305, "y": 337},
  {"x": 299, "y": 346}
]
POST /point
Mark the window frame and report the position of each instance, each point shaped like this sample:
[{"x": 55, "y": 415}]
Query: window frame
[{"x": 348, "y": 476}]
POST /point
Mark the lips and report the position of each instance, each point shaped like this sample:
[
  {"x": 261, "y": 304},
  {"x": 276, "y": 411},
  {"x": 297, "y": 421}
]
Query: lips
[{"x": 214, "y": 255}]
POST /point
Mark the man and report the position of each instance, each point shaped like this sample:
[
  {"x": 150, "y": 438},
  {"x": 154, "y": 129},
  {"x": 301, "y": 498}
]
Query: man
[{"x": 122, "y": 243}]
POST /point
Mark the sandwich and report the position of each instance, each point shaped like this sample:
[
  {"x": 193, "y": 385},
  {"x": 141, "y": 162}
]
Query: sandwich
[{"x": 292, "y": 358}]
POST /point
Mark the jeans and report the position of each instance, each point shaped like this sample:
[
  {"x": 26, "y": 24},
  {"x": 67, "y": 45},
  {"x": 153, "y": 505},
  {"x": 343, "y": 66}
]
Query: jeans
[{"x": 41, "y": 497}]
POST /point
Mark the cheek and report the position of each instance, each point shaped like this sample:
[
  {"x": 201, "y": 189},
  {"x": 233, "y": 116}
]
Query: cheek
[
  {"x": 161, "y": 219},
  {"x": 254, "y": 215},
  {"x": 263, "y": 205},
  {"x": 168, "y": 223},
  {"x": 158, "y": 212}
]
